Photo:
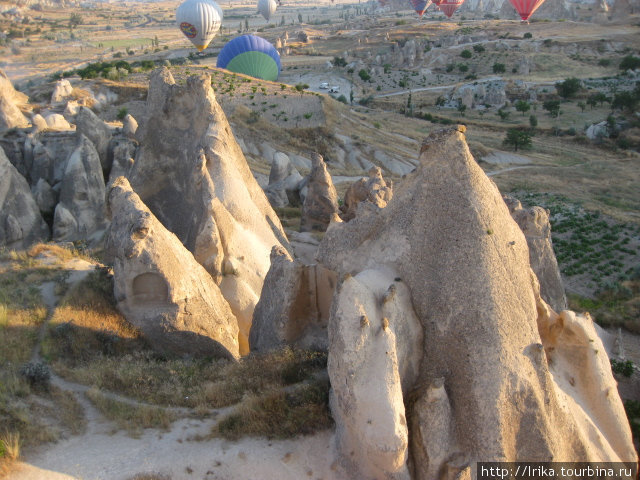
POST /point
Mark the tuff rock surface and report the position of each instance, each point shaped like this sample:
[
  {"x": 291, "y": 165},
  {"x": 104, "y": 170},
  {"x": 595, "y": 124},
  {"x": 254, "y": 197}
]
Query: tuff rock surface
[
  {"x": 534, "y": 223},
  {"x": 373, "y": 189},
  {"x": 10, "y": 99},
  {"x": 191, "y": 173},
  {"x": 321, "y": 200},
  {"x": 80, "y": 212},
  {"x": 294, "y": 305},
  {"x": 159, "y": 286},
  {"x": 506, "y": 377},
  {"x": 20, "y": 221}
]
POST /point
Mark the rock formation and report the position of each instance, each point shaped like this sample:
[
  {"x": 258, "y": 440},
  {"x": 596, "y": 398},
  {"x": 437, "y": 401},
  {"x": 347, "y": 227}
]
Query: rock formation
[
  {"x": 321, "y": 200},
  {"x": 284, "y": 182},
  {"x": 62, "y": 91},
  {"x": 90, "y": 125},
  {"x": 10, "y": 114},
  {"x": 20, "y": 220},
  {"x": 159, "y": 286},
  {"x": 495, "y": 365},
  {"x": 46, "y": 154},
  {"x": 192, "y": 175},
  {"x": 80, "y": 211},
  {"x": 534, "y": 223},
  {"x": 294, "y": 305},
  {"x": 373, "y": 189},
  {"x": 375, "y": 342},
  {"x": 129, "y": 126}
]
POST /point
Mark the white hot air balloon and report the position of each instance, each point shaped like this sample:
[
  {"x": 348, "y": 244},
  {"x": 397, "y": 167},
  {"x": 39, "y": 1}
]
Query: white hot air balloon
[
  {"x": 199, "y": 20},
  {"x": 267, "y": 8}
]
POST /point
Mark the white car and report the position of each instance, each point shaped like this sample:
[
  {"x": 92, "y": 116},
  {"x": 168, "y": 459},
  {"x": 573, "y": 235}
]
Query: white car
[
  {"x": 334, "y": 89},
  {"x": 324, "y": 85}
]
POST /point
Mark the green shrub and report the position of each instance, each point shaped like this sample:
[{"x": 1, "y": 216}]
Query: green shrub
[
  {"x": 122, "y": 113},
  {"x": 622, "y": 368}
]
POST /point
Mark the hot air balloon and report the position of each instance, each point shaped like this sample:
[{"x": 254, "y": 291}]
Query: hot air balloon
[
  {"x": 252, "y": 56},
  {"x": 199, "y": 20},
  {"x": 526, "y": 7},
  {"x": 450, "y": 6},
  {"x": 420, "y": 6},
  {"x": 267, "y": 8}
]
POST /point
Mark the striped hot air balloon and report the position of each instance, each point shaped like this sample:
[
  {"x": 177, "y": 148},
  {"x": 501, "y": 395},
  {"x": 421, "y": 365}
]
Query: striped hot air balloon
[
  {"x": 252, "y": 56},
  {"x": 420, "y": 6},
  {"x": 525, "y": 8},
  {"x": 199, "y": 21},
  {"x": 450, "y": 6}
]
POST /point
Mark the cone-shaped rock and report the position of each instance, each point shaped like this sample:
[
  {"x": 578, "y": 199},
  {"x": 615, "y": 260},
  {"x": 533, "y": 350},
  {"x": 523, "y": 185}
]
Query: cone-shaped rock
[
  {"x": 159, "y": 286},
  {"x": 20, "y": 221},
  {"x": 534, "y": 223},
  {"x": 10, "y": 114},
  {"x": 448, "y": 235},
  {"x": 193, "y": 176},
  {"x": 80, "y": 213},
  {"x": 294, "y": 305},
  {"x": 321, "y": 201}
]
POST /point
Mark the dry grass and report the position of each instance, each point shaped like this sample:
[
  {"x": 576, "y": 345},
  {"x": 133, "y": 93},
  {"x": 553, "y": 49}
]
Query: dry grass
[
  {"x": 9, "y": 452},
  {"x": 289, "y": 216},
  {"x": 86, "y": 325},
  {"x": 10, "y": 445},
  {"x": 132, "y": 418},
  {"x": 280, "y": 413}
]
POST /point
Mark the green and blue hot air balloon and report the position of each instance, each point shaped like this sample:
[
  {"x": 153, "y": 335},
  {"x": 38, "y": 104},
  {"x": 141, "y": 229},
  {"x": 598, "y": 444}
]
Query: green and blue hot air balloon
[{"x": 251, "y": 55}]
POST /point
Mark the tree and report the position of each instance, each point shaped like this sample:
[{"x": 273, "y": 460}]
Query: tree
[
  {"x": 518, "y": 138},
  {"x": 569, "y": 87},
  {"x": 339, "y": 62},
  {"x": 282, "y": 21},
  {"x": 625, "y": 101},
  {"x": 533, "y": 121},
  {"x": 478, "y": 48},
  {"x": 582, "y": 106},
  {"x": 364, "y": 75},
  {"x": 630, "y": 63},
  {"x": 503, "y": 114},
  {"x": 523, "y": 106},
  {"x": 553, "y": 107},
  {"x": 499, "y": 68},
  {"x": 601, "y": 98},
  {"x": 461, "y": 107},
  {"x": 409, "y": 105},
  {"x": 75, "y": 19},
  {"x": 299, "y": 18},
  {"x": 246, "y": 23},
  {"x": 466, "y": 54}
]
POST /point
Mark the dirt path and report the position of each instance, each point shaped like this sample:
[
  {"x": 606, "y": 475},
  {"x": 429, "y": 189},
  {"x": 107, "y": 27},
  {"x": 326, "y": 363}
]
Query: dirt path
[{"x": 180, "y": 453}]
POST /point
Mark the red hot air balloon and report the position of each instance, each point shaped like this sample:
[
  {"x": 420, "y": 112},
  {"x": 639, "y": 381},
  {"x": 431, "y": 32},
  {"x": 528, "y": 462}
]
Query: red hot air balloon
[
  {"x": 420, "y": 6},
  {"x": 450, "y": 6},
  {"x": 525, "y": 8}
]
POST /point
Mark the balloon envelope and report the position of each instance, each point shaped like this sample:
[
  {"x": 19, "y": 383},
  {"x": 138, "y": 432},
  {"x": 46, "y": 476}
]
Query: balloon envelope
[
  {"x": 526, "y": 7},
  {"x": 199, "y": 20},
  {"x": 267, "y": 8},
  {"x": 450, "y": 6},
  {"x": 420, "y": 6},
  {"x": 252, "y": 56}
]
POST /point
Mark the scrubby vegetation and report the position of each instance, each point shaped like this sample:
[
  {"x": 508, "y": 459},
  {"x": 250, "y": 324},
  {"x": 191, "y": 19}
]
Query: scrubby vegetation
[{"x": 600, "y": 251}]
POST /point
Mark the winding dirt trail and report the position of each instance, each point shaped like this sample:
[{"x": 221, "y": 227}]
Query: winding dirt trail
[{"x": 103, "y": 452}]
